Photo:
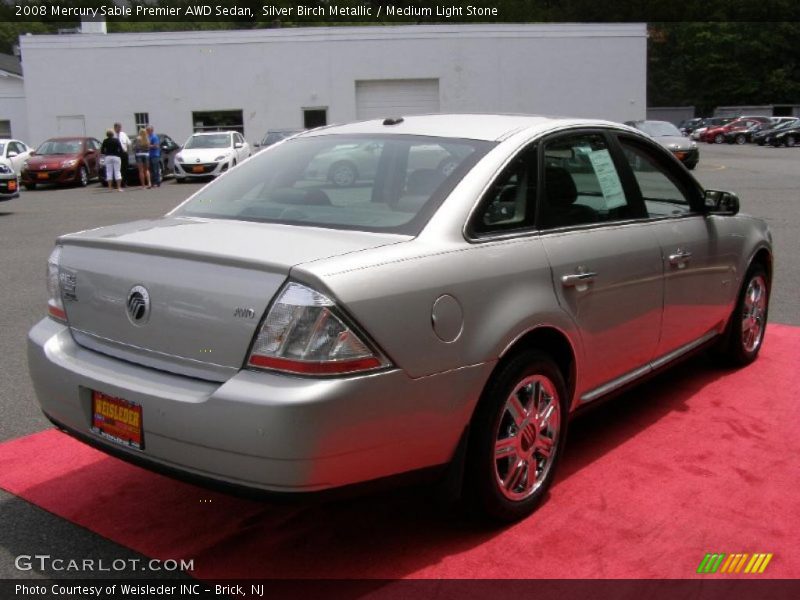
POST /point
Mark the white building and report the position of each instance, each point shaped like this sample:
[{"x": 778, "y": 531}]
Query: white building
[
  {"x": 13, "y": 114},
  {"x": 265, "y": 79}
]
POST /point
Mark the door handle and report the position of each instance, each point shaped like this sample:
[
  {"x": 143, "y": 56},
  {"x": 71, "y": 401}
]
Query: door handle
[
  {"x": 680, "y": 257},
  {"x": 578, "y": 278}
]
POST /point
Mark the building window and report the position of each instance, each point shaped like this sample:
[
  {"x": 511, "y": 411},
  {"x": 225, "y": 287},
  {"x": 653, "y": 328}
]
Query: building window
[
  {"x": 315, "y": 117},
  {"x": 218, "y": 120},
  {"x": 5, "y": 129},
  {"x": 142, "y": 120}
]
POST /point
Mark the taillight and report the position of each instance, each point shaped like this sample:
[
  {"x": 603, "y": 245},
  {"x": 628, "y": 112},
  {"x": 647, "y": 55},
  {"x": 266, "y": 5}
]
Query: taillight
[
  {"x": 55, "y": 307},
  {"x": 304, "y": 333}
]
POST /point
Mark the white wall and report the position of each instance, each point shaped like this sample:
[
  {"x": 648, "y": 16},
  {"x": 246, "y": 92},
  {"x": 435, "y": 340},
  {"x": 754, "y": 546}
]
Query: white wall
[
  {"x": 12, "y": 105},
  {"x": 585, "y": 70}
]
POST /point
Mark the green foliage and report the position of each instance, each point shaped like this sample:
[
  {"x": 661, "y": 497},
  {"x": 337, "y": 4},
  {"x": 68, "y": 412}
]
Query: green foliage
[{"x": 723, "y": 64}]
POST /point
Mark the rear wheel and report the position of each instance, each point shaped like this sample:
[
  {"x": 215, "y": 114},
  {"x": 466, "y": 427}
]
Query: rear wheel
[
  {"x": 740, "y": 139},
  {"x": 748, "y": 323},
  {"x": 790, "y": 141},
  {"x": 30, "y": 186},
  {"x": 517, "y": 437},
  {"x": 343, "y": 174}
]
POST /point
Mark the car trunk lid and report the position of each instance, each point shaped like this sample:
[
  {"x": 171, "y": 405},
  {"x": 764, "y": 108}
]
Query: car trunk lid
[{"x": 186, "y": 295}]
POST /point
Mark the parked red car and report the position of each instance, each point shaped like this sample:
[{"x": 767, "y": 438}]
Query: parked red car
[
  {"x": 716, "y": 135},
  {"x": 62, "y": 160}
]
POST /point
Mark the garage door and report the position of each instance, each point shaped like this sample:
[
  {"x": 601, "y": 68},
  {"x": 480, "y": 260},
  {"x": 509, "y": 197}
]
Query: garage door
[
  {"x": 71, "y": 125},
  {"x": 396, "y": 97}
]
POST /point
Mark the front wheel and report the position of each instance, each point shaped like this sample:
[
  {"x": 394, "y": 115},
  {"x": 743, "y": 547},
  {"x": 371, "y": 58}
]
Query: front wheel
[
  {"x": 740, "y": 139},
  {"x": 719, "y": 138},
  {"x": 517, "y": 436},
  {"x": 747, "y": 326},
  {"x": 83, "y": 177},
  {"x": 790, "y": 141}
]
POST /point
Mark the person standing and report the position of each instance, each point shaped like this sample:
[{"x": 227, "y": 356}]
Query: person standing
[
  {"x": 141, "y": 150},
  {"x": 125, "y": 142},
  {"x": 111, "y": 149},
  {"x": 155, "y": 157}
]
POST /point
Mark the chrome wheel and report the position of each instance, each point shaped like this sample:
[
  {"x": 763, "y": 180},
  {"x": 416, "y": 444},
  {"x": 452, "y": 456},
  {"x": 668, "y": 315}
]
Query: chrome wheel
[
  {"x": 527, "y": 437},
  {"x": 83, "y": 177},
  {"x": 754, "y": 313}
]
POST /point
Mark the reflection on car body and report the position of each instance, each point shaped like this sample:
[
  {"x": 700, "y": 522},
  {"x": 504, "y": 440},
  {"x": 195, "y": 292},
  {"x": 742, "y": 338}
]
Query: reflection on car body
[{"x": 287, "y": 331}]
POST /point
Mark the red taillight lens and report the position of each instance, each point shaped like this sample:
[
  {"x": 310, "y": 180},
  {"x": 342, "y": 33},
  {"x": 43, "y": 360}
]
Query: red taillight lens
[
  {"x": 303, "y": 333},
  {"x": 55, "y": 308}
]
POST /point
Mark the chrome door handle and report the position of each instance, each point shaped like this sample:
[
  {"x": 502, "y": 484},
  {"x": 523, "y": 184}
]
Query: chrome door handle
[
  {"x": 578, "y": 278},
  {"x": 679, "y": 257}
]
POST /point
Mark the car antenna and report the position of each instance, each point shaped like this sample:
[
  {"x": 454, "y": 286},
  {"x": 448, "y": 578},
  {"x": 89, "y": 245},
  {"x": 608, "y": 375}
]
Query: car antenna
[{"x": 393, "y": 121}]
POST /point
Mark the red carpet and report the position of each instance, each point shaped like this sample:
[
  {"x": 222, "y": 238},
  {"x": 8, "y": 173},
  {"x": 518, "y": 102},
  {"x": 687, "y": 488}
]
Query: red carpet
[{"x": 699, "y": 460}]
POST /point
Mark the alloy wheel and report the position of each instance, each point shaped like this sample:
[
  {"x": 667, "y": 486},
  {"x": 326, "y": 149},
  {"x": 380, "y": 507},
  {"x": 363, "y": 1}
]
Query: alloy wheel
[
  {"x": 527, "y": 437},
  {"x": 754, "y": 313}
]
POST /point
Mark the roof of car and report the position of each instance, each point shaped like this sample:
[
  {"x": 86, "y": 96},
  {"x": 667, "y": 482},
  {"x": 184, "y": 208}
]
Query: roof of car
[
  {"x": 214, "y": 132},
  {"x": 470, "y": 126}
]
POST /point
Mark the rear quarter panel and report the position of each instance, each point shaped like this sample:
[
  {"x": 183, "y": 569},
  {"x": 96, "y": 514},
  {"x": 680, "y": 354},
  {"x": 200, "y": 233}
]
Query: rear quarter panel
[{"x": 503, "y": 288}]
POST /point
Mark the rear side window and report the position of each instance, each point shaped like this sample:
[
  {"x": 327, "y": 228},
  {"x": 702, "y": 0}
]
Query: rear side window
[
  {"x": 386, "y": 183},
  {"x": 582, "y": 185},
  {"x": 510, "y": 203}
]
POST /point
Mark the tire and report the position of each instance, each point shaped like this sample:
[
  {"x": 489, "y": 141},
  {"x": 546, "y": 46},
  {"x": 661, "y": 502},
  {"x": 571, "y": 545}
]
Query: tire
[
  {"x": 30, "y": 186},
  {"x": 180, "y": 179},
  {"x": 691, "y": 167},
  {"x": 83, "y": 177},
  {"x": 719, "y": 138},
  {"x": 740, "y": 139},
  {"x": 748, "y": 324},
  {"x": 790, "y": 141},
  {"x": 526, "y": 427},
  {"x": 343, "y": 174}
]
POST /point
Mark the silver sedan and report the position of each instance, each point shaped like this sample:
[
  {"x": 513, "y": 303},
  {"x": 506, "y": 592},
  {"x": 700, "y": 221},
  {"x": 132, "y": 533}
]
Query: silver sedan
[{"x": 290, "y": 333}]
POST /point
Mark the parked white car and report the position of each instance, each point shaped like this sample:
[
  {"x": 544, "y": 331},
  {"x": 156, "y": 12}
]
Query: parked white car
[
  {"x": 13, "y": 153},
  {"x": 210, "y": 154}
]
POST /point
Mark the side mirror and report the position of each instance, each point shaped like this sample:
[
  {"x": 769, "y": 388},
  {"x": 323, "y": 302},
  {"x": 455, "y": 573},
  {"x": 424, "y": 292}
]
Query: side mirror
[
  {"x": 721, "y": 203},
  {"x": 12, "y": 154},
  {"x": 257, "y": 145},
  {"x": 238, "y": 145}
]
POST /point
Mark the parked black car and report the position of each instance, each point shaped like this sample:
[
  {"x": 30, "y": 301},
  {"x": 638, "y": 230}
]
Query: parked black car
[
  {"x": 767, "y": 136},
  {"x": 689, "y": 125},
  {"x": 168, "y": 151},
  {"x": 787, "y": 136}
]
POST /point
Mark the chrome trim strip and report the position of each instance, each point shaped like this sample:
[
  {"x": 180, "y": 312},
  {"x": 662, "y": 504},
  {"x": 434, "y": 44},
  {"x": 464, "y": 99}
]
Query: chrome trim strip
[{"x": 630, "y": 376}]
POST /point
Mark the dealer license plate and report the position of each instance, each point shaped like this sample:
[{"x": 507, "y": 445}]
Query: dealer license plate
[
  {"x": 117, "y": 419},
  {"x": 197, "y": 169},
  {"x": 43, "y": 175}
]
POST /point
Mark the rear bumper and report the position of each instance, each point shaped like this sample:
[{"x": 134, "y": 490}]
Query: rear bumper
[{"x": 262, "y": 430}]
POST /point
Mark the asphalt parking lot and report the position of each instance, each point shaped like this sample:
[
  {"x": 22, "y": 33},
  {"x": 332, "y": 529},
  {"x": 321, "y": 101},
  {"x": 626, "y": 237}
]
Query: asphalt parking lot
[{"x": 766, "y": 179}]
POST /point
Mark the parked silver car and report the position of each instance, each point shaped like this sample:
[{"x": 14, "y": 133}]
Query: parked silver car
[{"x": 289, "y": 333}]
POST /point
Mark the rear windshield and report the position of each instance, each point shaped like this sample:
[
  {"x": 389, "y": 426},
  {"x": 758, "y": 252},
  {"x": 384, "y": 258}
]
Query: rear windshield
[
  {"x": 381, "y": 183},
  {"x": 659, "y": 128}
]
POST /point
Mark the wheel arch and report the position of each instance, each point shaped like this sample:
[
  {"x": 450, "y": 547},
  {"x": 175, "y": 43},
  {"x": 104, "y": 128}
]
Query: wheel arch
[{"x": 553, "y": 342}]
